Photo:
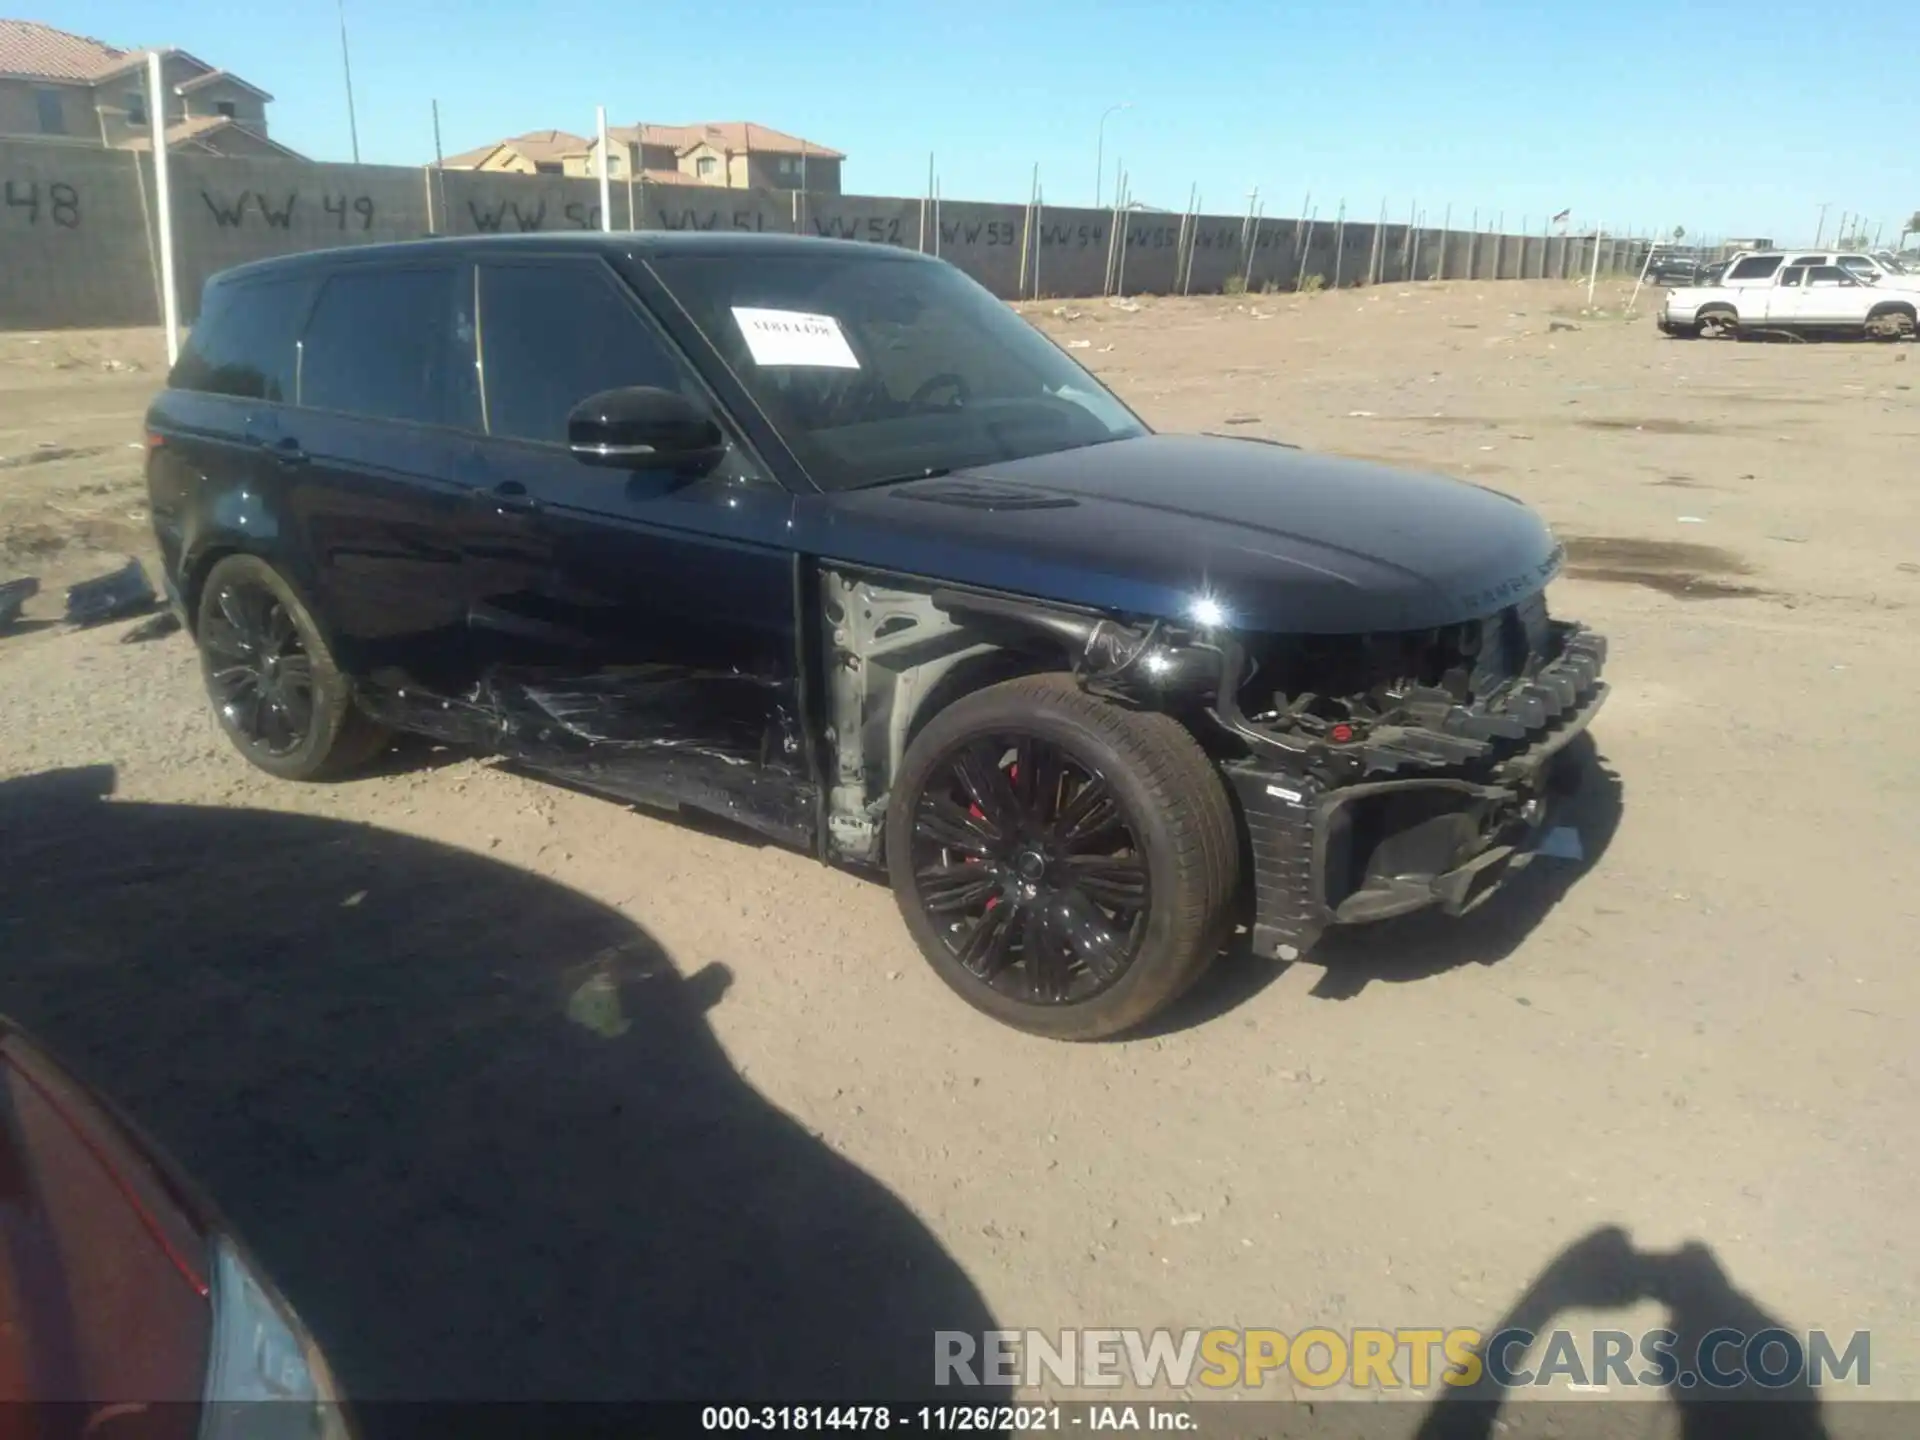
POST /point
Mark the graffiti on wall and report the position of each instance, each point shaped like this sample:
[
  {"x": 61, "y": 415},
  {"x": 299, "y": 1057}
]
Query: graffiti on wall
[
  {"x": 689, "y": 219},
  {"x": 337, "y": 211},
  {"x": 54, "y": 203}
]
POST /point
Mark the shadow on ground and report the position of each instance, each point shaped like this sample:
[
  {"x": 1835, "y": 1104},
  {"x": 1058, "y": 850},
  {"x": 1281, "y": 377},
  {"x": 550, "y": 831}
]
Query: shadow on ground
[
  {"x": 474, "y": 1123},
  {"x": 1427, "y": 943},
  {"x": 1604, "y": 1271}
]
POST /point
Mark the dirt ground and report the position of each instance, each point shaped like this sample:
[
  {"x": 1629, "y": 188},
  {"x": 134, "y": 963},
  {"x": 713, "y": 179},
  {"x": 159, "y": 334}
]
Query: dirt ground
[{"x": 521, "y": 1092}]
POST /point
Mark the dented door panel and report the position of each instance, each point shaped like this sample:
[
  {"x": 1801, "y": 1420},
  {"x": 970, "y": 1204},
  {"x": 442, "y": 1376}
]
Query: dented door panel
[{"x": 637, "y": 634}]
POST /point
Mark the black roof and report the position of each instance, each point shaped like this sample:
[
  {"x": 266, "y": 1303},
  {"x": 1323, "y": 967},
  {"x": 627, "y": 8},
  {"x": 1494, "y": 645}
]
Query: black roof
[{"x": 641, "y": 244}]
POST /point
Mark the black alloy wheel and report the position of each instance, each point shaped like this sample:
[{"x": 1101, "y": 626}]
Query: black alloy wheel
[
  {"x": 258, "y": 671},
  {"x": 1066, "y": 865},
  {"x": 274, "y": 685},
  {"x": 1029, "y": 868}
]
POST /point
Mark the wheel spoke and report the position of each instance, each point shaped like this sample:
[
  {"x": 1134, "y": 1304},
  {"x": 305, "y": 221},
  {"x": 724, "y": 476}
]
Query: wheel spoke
[
  {"x": 276, "y": 731},
  {"x": 280, "y": 630},
  {"x": 945, "y": 823},
  {"x": 980, "y": 775},
  {"x": 252, "y": 708},
  {"x": 1103, "y": 952},
  {"x": 984, "y": 951},
  {"x": 1118, "y": 882},
  {"x": 950, "y": 889},
  {"x": 296, "y": 705},
  {"x": 1088, "y": 816},
  {"x": 233, "y": 678},
  {"x": 1040, "y": 774},
  {"x": 1049, "y": 967}
]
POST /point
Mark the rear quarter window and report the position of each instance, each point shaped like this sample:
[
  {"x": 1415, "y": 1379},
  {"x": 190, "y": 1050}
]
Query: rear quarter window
[
  {"x": 393, "y": 343},
  {"x": 243, "y": 342}
]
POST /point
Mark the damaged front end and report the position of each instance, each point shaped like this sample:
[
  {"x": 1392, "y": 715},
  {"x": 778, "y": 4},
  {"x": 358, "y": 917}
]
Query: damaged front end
[
  {"x": 1385, "y": 774},
  {"x": 1376, "y": 774}
]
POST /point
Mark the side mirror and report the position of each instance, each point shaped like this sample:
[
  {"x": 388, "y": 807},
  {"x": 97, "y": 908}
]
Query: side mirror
[{"x": 640, "y": 428}]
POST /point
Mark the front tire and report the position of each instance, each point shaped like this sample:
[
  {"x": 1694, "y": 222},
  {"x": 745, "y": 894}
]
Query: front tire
[
  {"x": 1719, "y": 323},
  {"x": 276, "y": 690},
  {"x": 1065, "y": 865}
]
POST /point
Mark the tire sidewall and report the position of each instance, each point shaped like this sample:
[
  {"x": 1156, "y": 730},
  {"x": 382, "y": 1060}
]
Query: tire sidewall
[
  {"x": 1160, "y": 965},
  {"x": 332, "y": 698}
]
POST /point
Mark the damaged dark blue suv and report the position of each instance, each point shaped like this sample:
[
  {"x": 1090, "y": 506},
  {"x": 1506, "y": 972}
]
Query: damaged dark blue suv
[{"x": 822, "y": 538}]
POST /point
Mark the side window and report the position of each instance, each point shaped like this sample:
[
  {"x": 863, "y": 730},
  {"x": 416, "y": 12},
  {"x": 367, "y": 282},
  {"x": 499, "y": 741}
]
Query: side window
[
  {"x": 242, "y": 344},
  {"x": 1793, "y": 275},
  {"x": 1808, "y": 259},
  {"x": 50, "y": 111},
  {"x": 1828, "y": 275},
  {"x": 1755, "y": 267},
  {"x": 392, "y": 344},
  {"x": 551, "y": 336}
]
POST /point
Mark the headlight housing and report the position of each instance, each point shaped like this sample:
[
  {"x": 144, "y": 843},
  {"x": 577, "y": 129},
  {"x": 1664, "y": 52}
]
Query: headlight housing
[{"x": 265, "y": 1374}]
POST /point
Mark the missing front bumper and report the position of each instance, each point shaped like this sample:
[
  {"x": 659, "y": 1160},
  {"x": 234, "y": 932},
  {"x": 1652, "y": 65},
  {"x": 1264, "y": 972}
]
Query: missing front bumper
[{"x": 1342, "y": 854}]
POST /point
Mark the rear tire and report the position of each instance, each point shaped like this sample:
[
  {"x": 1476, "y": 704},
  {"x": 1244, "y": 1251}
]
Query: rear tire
[
  {"x": 1891, "y": 322},
  {"x": 276, "y": 690},
  {"x": 1066, "y": 866}
]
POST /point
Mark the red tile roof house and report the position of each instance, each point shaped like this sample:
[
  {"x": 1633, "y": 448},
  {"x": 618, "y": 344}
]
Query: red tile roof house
[
  {"x": 737, "y": 154},
  {"x": 70, "y": 88}
]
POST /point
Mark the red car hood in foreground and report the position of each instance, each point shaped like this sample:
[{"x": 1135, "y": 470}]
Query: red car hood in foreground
[{"x": 103, "y": 1258}]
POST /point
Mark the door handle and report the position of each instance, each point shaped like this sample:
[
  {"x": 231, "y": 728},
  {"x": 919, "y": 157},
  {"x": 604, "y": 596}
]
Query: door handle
[
  {"x": 285, "y": 448},
  {"x": 510, "y": 496}
]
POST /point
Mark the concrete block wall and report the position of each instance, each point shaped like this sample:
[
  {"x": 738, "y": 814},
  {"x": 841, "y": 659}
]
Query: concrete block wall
[{"x": 78, "y": 228}]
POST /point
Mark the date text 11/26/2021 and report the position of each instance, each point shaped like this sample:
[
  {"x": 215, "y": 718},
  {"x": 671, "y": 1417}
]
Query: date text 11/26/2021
[{"x": 937, "y": 1419}]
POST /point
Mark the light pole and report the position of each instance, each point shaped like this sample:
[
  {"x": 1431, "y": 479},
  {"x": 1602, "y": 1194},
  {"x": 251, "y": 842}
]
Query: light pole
[
  {"x": 1821, "y": 228},
  {"x": 346, "y": 68},
  {"x": 1100, "y": 152}
]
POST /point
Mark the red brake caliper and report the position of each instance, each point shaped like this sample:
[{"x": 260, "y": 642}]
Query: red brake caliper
[{"x": 1013, "y": 773}]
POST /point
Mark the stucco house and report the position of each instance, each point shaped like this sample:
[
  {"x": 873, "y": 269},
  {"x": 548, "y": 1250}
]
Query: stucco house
[
  {"x": 538, "y": 152},
  {"x": 58, "y": 86},
  {"x": 737, "y": 154}
]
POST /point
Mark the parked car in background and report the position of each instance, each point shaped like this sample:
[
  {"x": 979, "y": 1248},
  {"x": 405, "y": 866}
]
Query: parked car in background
[
  {"x": 822, "y": 538},
  {"x": 1673, "y": 267},
  {"x": 124, "y": 1293},
  {"x": 1758, "y": 268},
  {"x": 1799, "y": 298}
]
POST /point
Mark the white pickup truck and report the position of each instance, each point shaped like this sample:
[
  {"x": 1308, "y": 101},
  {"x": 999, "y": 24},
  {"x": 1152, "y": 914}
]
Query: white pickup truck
[{"x": 1765, "y": 292}]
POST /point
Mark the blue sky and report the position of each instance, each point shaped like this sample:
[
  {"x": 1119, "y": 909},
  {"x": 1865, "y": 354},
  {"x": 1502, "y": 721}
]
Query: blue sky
[{"x": 1726, "y": 118}]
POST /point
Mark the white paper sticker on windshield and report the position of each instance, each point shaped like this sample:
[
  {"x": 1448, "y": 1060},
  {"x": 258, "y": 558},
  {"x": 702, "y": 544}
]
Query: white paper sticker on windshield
[{"x": 790, "y": 337}]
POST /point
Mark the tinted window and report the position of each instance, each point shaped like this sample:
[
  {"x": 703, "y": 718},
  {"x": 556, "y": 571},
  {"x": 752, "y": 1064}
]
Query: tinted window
[
  {"x": 1755, "y": 267},
  {"x": 392, "y": 344},
  {"x": 554, "y": 334},
  {"x": 1827, "y": 275},
  {"x": 1793, "y": 274},
  {"x": 1808, "y": 259},
  {"x": 876, "y": 368},
  {"x": 243, "y": 342}
]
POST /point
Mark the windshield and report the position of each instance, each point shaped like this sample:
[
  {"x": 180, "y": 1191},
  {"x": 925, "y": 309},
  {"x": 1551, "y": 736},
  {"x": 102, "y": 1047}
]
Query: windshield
[{"x": 878, "y": 368}]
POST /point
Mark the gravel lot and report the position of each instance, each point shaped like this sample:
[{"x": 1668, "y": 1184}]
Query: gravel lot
[{"x": 522, "y": 1093}]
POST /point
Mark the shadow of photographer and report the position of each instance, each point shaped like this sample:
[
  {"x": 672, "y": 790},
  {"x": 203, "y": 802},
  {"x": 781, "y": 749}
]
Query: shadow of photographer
[{"x": 1605, "y": 1271}]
